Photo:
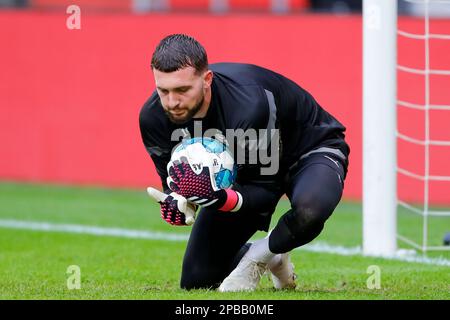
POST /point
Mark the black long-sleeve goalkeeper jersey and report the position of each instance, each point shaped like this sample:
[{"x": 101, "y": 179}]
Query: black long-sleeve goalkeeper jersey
[{"x": 246, "y": 96}]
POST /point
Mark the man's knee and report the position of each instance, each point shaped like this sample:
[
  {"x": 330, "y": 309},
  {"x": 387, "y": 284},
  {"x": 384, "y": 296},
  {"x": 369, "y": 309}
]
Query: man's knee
[
  {"x": 307, "y": 218},
  {"x": 296, "y": 228},
  {"x": 310, "y": 212}
]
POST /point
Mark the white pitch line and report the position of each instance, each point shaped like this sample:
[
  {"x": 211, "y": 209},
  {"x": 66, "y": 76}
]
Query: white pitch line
[
  {"x": 92, "y": 230},
  {"x": 320, "y": 247},
  {"x": 402, "y": 255}
]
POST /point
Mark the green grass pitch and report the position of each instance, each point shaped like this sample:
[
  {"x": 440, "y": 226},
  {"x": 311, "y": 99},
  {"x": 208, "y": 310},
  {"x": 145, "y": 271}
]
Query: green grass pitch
[{"x": 33, "y": 264}]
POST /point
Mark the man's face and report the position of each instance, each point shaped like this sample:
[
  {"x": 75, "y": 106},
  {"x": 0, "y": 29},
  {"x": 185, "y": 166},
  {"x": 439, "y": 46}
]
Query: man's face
[{"x": 182, "y": 92}]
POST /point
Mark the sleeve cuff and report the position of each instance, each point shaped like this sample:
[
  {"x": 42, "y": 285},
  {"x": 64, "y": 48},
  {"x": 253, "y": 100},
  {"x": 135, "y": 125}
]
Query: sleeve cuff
[{"x": 233, "y": 202}]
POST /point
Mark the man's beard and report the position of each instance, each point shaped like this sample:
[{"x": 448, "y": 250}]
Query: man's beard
[{"x": 189, "y": 115}]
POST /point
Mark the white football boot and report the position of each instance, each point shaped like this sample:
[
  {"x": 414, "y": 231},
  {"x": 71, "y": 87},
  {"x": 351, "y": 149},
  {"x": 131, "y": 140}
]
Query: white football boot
[
  {"x": 282, "y": 272},
  {"x": 245, "y": 277}
]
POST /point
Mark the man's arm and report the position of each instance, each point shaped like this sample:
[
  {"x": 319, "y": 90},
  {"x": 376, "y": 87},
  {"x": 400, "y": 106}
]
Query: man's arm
[{"x": 200, "y": 188}]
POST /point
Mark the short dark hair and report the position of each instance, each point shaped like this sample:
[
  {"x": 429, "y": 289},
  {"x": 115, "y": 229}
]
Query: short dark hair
[{"x": 178, "y": 51}]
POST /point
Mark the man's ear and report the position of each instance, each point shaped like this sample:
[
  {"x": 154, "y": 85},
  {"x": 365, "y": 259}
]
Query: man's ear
[{"x": 207, "y": 77}]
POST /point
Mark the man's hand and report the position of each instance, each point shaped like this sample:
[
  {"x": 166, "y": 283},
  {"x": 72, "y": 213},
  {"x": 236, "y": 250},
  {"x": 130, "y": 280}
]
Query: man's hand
[
  {"x": 197, "y": 186},
  {"x": 175, "y": 209}
]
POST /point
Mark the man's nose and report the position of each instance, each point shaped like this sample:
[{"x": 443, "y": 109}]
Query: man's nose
[{"x": 172, "y": 101}]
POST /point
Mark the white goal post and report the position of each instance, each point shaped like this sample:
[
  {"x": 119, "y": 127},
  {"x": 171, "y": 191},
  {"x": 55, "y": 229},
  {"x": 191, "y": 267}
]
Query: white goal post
[
  {"x": 379, "y": 127},
  {"x": 380, "y": 132}
]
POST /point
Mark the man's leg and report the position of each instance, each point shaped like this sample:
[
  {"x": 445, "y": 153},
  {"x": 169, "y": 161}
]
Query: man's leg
[
  {"x": 314, "y": 192},
  {"x": 216, "y": 245}
]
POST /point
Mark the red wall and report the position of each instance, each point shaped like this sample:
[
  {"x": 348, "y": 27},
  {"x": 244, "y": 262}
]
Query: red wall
[{"x": 69, "y": 99}]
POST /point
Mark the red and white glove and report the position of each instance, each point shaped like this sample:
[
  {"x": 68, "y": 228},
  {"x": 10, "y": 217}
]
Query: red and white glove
[
  {"x": 199, "y": 186},
  {"x": 175, "y": 209}
]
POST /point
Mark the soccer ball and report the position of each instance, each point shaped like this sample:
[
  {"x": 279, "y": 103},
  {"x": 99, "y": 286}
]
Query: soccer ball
[{"x": 207, "y": 151}]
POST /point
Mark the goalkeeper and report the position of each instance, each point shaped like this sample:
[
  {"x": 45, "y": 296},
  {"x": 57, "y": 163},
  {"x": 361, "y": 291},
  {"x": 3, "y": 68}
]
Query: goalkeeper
[{"x": 312, "y": 154}]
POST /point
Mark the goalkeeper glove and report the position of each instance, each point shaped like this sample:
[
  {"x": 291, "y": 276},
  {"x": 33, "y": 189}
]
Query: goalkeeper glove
[
  {"x": 200, "y": 187},
  {"x": 175, "y": 209}
]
